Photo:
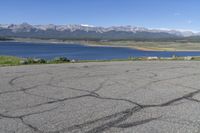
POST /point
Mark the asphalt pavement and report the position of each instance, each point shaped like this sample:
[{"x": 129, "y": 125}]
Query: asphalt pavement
[{"x": 103, "y": 97}]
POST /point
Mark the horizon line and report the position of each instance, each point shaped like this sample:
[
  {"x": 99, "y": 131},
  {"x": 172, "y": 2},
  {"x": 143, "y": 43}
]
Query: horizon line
[{"x": 91, "y": 25}]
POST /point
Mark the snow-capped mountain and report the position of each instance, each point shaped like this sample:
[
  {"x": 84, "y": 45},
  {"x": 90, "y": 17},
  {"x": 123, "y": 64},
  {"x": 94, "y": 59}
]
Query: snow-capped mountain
[{"x": 89, "y": 31}]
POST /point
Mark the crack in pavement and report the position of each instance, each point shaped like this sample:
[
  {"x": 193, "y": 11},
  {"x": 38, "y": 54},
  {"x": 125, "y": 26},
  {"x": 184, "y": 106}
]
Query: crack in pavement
[
  {"x": 11, "y": 82},
  {"x": 93, "y": 92},
  {"x": 115, "y": 120},
  {"x": 167, "y": 79},
  {"x": 20, "y": 90},
  {"x": 133, "y": 124},
  {"x": 21, "y": 117},
  {"x": 60, "y": 100},
  {"x": 193, "y": 99},
  {"x": 130, "y": 113},
  {"x": 121, "y": 116},
  {"x": 126, "y": 113}
]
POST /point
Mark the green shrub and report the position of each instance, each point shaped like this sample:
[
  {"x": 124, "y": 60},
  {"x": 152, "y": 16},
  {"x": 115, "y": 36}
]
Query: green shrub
[
  {"x": 33, "y": 61},
  {"x": 60, "y": 60}
]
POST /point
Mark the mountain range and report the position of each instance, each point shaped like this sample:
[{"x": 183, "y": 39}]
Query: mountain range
[{"x": 89, "y": 32}]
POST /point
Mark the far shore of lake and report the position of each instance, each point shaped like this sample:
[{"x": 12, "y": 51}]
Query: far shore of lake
[{"x": 115, "y": 44}]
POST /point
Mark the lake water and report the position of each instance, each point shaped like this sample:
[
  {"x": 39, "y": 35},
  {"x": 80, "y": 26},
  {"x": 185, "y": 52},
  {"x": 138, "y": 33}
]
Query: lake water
[{"x": 79, "y": 52}]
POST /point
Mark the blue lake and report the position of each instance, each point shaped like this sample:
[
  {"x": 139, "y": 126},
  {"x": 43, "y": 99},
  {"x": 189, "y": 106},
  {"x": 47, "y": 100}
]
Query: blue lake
[{"x": 79, "y": 52}]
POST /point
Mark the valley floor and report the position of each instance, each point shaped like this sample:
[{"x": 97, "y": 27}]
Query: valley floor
[{"x": 150, "y": 46}]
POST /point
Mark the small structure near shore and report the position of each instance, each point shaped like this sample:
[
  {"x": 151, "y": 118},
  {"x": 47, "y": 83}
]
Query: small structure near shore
[
  {"x": 188, "y": 58},
  {"x": 73, "y": 61},
  {"x": 153, "y": 58}
]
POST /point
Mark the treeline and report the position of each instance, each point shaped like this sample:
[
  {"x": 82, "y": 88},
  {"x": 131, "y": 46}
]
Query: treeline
[
  {"x": 5, "y": 39},
  {"x": 80, "y": 35},
  {"x": 180, "y": 40},
  {"x": 90, "y": 35}
]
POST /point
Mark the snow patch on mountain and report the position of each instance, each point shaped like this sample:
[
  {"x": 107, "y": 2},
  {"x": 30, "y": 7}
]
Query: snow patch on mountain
[{"x": 25, "y": 27}]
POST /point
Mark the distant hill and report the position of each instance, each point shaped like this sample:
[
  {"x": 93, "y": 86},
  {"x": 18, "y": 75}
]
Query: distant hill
[
  {"x": 87, "y": 32},
  {"x": 4, "y": 39}
]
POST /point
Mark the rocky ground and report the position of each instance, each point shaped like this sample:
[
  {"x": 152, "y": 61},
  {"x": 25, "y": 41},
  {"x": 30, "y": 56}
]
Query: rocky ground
[{"x": 112, "y": 97}]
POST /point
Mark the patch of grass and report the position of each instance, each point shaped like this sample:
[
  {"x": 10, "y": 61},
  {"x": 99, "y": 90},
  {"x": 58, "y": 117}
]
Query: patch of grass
[
  {"x": 14, "y": 61},
  {"x": 9, "y": 60},
  {"x": 196, "y": 58}
]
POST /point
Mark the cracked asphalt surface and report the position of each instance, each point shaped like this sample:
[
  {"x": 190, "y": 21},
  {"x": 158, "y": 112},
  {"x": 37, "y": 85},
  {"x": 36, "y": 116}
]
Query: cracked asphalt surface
[{"x": 112, "y": 97}]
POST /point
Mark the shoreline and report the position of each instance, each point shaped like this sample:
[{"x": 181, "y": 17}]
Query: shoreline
[
  {"x": 92, "y": 44},
  {"x": 144, "y": 48},
  {"x": 17, "y": 61}
]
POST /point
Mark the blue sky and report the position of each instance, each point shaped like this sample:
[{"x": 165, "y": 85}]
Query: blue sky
[{"x": 174, "y": 14}]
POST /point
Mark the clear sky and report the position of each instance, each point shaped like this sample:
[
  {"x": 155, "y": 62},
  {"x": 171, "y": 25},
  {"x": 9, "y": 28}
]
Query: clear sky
[{"x": 175, "y": 14}]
